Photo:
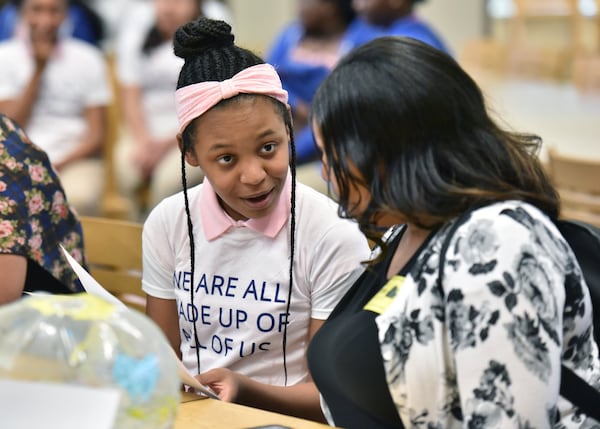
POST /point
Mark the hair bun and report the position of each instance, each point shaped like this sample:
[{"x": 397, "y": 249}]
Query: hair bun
[{"x": 203, "y": 34}]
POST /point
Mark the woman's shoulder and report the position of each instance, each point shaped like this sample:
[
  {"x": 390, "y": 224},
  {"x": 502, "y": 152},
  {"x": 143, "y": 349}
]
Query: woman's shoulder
[
  {"x": 21, "y": 157},
  {"x": 291, "y": 33},
  {"x": 503, "y": 228},
  {"x": 495, "y": 212},
  {"x": 283, "y": 42},
  {"x": 509, "y": 221},
  {"x": 512, "y": 210}
]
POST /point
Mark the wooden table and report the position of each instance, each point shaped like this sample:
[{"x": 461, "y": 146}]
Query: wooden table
[{"x": 195, "y": 413}]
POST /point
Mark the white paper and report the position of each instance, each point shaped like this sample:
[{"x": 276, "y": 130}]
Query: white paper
[
  {"x": 89, "y": 283},
  {"x": 93, "y": 287},
  {"x": 187, "y": 378},
  {"x": 26, "y": 405}
]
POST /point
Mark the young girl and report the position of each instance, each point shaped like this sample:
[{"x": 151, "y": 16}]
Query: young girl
[{"x": 242, "y": 270}]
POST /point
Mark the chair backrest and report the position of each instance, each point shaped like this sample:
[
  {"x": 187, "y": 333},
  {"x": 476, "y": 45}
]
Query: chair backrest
[
  {"x": 586, "y": 74},
  {"x": 114, "y": 205},
  {"x": 541, "y": 54},
  {"x": 578, "y": 183},
  {"x": 114, "y": 254}
]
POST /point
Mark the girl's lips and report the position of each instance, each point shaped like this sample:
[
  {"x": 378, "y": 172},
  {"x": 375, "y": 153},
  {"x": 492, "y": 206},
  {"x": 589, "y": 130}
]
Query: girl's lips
[{"x": 260, "y": 201}]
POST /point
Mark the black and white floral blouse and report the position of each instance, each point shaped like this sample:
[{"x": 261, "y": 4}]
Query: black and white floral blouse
[{"x": 483, "y": 348}]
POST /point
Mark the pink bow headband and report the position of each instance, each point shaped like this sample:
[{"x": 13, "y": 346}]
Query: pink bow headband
[{"x": 194, "y": 100}]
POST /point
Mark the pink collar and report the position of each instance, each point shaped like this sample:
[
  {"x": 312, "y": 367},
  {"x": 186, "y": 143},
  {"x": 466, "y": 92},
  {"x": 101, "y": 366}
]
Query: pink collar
[{"x": 216, "y": 222}]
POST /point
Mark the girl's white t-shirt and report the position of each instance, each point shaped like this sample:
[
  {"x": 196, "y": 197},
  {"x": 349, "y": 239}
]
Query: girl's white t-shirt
[{"x": 241, "y": 282}]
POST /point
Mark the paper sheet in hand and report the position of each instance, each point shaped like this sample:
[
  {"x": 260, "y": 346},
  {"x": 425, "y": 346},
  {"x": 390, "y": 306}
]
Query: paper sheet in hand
[{"x": 91, "y": 286}]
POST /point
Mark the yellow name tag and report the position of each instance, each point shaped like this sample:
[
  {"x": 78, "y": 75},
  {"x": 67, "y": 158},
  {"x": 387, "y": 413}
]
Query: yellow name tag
[{"x": 382, "y": 299}]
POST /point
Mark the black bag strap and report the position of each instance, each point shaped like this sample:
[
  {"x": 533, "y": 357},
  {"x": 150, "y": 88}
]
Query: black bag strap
[
  {"x": 579, "y": 393},
  {"x": 572, "y": 387},
  {"x": 584, "y": 240}
]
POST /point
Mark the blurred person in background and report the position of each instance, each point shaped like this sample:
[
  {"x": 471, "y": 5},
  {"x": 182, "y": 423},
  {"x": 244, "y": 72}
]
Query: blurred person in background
[
  {"x": 304, "y": 53},
  {"x": 398, "y": 18},
  {"x": 82, "y": 23},
  {"x": 35, "y": 217},
  {"x": 147, "y": 70},
  {"x": 57, "y": 88}
]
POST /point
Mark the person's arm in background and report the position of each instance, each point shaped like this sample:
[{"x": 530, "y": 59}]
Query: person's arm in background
[
  {"x": 12, "y": 280},
  {"x": 20, "y": 107},
  {"x": 148, "y": 151},
  {"x": 93, "y": 138},
  {"x": 133, "y": 115}
]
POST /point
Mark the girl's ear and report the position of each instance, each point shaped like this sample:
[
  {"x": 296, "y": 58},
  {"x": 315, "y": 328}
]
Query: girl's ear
[{"x": 190, "y": 155}]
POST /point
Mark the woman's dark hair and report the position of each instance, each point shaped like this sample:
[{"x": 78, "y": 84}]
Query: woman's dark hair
[
  {"x": 153, "y": 39},
  {"x": 416, "y": 128},
  {"x": 346, "y": 10},
  {"x": 208, "y": 48}
]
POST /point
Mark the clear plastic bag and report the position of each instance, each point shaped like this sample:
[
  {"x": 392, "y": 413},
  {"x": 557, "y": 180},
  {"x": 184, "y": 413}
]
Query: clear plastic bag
[{"x": 86, "y": 341}]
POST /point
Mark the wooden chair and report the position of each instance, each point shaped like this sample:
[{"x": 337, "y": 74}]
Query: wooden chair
[
  {"x": 531, "y": 54},
  {"x": 114, "y": 205},
  {"x": 113, "y": 249},
  {"x": 578, "y": 183},
  {"x": 483, "y": 56},
  {"x": 586, "y": 74}
]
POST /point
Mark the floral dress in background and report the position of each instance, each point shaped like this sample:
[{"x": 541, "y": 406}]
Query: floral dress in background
[{"x": 34, "y": 214}]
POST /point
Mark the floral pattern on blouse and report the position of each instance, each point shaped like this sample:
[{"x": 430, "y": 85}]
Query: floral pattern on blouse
[
  {"x": 482, "y": 347},
  {"x": 34, "y": 214}
]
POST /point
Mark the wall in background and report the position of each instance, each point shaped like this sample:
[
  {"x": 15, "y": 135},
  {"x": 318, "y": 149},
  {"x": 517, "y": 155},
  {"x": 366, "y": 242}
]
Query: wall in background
[
  {"x": 456, "y": 20},
  {"x": 257, "y": 22}
]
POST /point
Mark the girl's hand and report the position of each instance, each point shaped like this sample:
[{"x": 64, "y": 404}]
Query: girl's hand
[{"x": 224, "y": 382}]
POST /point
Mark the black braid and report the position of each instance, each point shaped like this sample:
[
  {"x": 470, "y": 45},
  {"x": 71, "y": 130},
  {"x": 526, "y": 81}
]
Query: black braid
[
  {"x": 292, "y": 242},
  {"x": 190, "y": 227},
  {"x": 210, "y": 55}
]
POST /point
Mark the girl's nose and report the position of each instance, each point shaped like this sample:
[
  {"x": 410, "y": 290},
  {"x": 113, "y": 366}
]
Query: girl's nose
[{"x": 253, "y": 173}]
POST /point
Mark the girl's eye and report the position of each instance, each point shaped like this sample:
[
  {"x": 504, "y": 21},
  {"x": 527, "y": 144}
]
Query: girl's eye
[
  {"x": 269, "y": 147},
  {"x": 225, "y": 159}
]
